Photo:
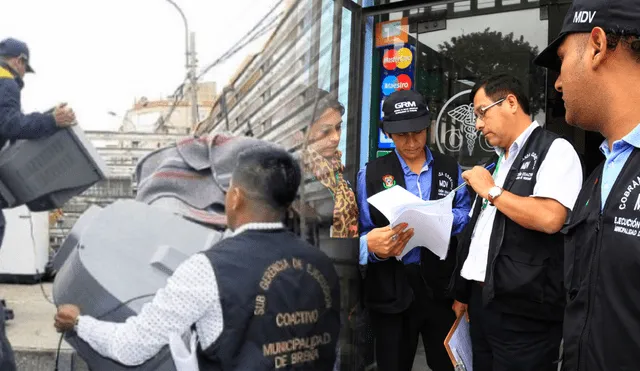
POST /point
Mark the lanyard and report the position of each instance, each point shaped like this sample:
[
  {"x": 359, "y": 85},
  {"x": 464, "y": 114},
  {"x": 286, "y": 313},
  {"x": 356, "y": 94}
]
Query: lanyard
[{"x": 485, "y": 202}]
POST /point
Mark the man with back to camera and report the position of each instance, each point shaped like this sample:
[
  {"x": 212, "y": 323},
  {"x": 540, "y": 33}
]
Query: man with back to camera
[
  {"x": 598, "y": 50},
  {"x": 14, "y": 125},
  {"x": 509, "y": 268},
  {"x": 408, "y": 298},
  {"x": 283, "y": 313}
]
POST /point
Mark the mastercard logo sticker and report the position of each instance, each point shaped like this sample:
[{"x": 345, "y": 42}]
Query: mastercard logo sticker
[
  {"x": 400, "y": 58},
  {"x": 394, "y": 83}
]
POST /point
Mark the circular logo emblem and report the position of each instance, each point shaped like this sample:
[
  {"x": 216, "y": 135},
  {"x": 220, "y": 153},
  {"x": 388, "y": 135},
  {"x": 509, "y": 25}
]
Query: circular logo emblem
[
  {"x": 404, "y": 82},
  {"x": 389, "y": 59},
  {"x": 404, "y": 58},
  {"x": 456, "y": 132},
  {"x": 400, "y": 58},
  {"x": 392, "y": 83}
]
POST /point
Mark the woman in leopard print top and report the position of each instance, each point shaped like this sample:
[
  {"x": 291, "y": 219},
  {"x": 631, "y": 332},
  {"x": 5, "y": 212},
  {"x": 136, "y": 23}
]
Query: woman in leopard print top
[{"x": 323, "y": 160}]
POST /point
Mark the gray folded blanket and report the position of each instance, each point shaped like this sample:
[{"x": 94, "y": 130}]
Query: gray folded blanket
[{"x": 191, "y": 177}]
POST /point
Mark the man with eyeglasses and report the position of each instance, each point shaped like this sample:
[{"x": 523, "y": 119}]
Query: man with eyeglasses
[
  {"x": 14, "y": 125},
  {"x": 510, "y": 256}
]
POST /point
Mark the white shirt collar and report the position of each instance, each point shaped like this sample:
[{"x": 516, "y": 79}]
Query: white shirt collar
[
  {"x": 257, "y": 226},
  {"x": 520, "y": 140}
]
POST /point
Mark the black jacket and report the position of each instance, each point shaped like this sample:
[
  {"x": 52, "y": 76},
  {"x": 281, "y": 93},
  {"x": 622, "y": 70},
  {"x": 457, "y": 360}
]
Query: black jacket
[
  {"x": 524, "y": 268},
  {"x": 386, "y": 285},
  {"x": 602, "y": 275}
]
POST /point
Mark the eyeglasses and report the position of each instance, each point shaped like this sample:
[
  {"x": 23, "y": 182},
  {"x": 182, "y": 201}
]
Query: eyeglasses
[{"x": 483, "y": 110}]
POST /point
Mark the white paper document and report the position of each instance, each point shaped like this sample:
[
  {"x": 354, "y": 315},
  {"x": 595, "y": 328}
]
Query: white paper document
[
  {"x": 459, "y": 344},
  {"x": 431, "y": 220}
]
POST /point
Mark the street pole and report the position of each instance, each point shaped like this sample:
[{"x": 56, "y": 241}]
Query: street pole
[
  {"x": 190, "y": 65},
  {"x": 194, "y": 83}
]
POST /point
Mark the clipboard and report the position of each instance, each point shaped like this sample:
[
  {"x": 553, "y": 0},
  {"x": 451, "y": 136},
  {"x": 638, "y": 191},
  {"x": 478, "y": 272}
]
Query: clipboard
[{"x": 460, "y": 351}]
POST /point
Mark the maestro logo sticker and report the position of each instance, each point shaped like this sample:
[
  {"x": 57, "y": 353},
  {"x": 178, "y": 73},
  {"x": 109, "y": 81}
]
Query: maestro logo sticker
[
  {"x": 391, "y": 84},
  {"x": 400, "y": 58}
]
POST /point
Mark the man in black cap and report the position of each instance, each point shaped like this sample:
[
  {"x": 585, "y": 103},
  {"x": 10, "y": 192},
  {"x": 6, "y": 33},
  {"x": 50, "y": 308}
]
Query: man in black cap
[
  {"x": 14, "y": 64},
  {"x": 409, "y": 297},
  {"x": 598, "y": 50}
]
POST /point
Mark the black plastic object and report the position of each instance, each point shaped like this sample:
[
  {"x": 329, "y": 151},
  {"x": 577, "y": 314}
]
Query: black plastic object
[{"x": 46, "y": 173}]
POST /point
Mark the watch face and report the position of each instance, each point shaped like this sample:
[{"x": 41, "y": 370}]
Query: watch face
[{"x": 494, "y": 192}]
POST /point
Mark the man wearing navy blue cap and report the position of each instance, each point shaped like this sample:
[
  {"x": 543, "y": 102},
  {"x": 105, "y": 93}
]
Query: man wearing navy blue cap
[
  {"x": 14, "y": 64},
  {"x": 407, "y": 298},
  {"x": 598, "y": 57}
]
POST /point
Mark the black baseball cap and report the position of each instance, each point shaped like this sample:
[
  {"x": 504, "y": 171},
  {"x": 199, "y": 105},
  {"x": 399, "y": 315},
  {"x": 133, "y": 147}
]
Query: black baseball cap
[
  {"x": 405, "y": 111},
  {"x": 15, "y": 48},
  {"x": 584, "y": 16}
]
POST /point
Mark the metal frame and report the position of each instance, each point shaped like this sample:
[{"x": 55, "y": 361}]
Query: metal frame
[
  {"x": 336, "y": 42},
  {"x": 407, "y": 5},
  {"x": 355, "y": 92}
]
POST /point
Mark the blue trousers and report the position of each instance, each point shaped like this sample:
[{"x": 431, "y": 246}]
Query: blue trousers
[{"x": 7, "y": 359}]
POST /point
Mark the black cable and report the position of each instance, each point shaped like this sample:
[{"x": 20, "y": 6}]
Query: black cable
[
  {"x": 58, "y": 352},
  {"x": 242, "y": 42},
  {"x": 33, "y": 242},
  {"x": 125, "y": 303},
  {"x": 100, "y": 317}
]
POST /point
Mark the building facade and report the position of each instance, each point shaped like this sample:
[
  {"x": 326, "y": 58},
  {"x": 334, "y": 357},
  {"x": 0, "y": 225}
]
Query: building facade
[
  {"x": 147, "y": 126},
  {"x": 364, "y": 50}
]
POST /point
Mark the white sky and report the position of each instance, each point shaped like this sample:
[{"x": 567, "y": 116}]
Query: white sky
[{"x": 99, "y": 55}]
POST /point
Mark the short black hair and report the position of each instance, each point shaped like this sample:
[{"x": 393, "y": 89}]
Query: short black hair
[
  {"x": 323, "y": 101},
  {"x": 630, "y": 39},
  {"x": 499, "y": 86},
  {"x": 268, "y": 174}
]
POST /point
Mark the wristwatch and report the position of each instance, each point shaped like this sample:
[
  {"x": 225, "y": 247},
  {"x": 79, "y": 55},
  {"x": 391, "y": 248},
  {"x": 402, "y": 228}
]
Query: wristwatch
[{"x": 494, "y": 193}]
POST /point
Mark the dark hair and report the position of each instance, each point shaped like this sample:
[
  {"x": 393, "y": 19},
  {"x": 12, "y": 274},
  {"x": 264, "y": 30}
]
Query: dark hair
[
  {"x": 499, "y": 86},
  {"x": 323, "y": 101},
  {"x": 269, "y": 175},
  {"x": 630, "y": 39}
]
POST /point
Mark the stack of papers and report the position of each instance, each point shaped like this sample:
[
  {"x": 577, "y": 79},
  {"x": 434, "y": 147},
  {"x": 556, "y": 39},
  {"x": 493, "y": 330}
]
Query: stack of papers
[
  {"x": 431, "y": 220},
  {"x": 458, "y": 345}
]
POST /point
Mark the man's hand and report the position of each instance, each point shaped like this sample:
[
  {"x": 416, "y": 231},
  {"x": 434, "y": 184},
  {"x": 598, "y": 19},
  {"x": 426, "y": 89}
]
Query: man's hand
[
  {"x": 459, "y": 308},
  {"x": 64, "y": 116},
  {"x": 480, "y": 180},
  {"x": 65, "y": 319},
  {"x": 386, "y": 242}
]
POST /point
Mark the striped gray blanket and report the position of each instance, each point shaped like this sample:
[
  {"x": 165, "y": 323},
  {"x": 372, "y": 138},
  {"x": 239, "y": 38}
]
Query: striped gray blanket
[{"x": 190, "y": 177}]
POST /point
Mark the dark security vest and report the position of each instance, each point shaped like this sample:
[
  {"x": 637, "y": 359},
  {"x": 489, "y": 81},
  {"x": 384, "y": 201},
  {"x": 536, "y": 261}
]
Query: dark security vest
[
  {"x": 524, "y": 271},
  {"x": 280, "y": 301},
  {"x": 602, "y": 275},
  {"x": 386, "y": 287}
]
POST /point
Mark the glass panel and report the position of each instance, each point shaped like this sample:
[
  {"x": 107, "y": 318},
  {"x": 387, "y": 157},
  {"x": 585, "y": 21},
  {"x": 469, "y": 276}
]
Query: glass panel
[
  {"x": 451, "y": 59},
  {"x": 368, "y": 3}
]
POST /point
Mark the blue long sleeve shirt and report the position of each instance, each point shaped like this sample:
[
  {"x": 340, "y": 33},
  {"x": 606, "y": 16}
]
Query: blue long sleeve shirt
[
  {"x": 419, "y": 185},
  {"x": 13, "y": 123}
]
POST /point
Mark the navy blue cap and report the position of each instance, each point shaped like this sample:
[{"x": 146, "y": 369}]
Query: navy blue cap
[
  {"x": 15, "y": 48},
  {"x": 405, "y": 111},
  {"x": 584, "y": 16}
]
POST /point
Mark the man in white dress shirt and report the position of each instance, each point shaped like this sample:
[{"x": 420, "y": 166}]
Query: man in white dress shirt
[
  {"x": 260, "y": 300},
  {"x": 510, "y": 256}
]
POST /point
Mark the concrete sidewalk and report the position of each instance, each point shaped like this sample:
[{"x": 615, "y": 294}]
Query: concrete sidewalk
[{"x": 31, "y": 332}]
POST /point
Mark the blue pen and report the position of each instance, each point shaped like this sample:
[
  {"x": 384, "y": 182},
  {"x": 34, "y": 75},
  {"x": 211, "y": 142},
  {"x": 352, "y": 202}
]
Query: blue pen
[{"x": 488, "y": 167}]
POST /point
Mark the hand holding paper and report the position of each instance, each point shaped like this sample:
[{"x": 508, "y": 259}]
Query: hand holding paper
[
  {"x": 387, "y": 242},
  {"x": 431, "y": 220}
]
